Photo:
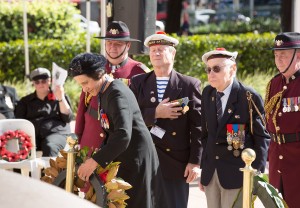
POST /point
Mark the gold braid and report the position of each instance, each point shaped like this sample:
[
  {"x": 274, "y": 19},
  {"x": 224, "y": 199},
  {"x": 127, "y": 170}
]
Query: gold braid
[
  {"x": 250, "y": 103},
  {"x": 87, "y": 99},
  {"x": 272, "y": 102}
]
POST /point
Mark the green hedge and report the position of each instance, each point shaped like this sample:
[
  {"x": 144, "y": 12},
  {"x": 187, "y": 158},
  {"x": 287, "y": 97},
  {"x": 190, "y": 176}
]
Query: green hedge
[
  {"x": 253, "y": 55},
  {"x": 46, "y": 19}
]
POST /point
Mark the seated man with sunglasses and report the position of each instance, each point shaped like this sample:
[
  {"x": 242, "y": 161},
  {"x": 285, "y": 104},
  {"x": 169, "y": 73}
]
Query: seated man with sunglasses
[
  {"x": 50, "y": 113},
  {"x": 230, "y": 123}
]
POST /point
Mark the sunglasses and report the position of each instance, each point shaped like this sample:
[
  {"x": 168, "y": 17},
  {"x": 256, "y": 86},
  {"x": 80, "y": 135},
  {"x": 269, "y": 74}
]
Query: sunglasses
[
  {"x": 40, "y": 81},
  {"x": 215, "y": 69}
]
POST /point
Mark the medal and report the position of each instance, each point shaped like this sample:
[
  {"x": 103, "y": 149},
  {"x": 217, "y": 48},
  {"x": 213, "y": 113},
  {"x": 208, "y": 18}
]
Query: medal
[
  {"x": 289, "y": 105},
  {"x": 104, "y": 120},
  {"x": 185, "y": 109},
  {"x": 292, "y": 104},
  {"x": 236, "y": 153},
  {"x": 229, "y": 136},
  {"x": 284, "y": 109},
  {"x": 242, "y": 136},
  {"x": 296, "y": 104}
]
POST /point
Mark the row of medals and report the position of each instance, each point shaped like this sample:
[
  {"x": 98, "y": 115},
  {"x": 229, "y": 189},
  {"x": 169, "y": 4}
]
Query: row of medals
[
  {"x": 291, "y": 104},
  {"x": 236, "y": 141}
]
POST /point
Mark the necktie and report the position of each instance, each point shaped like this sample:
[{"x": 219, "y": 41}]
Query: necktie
[{"x": 219, "y": 105}]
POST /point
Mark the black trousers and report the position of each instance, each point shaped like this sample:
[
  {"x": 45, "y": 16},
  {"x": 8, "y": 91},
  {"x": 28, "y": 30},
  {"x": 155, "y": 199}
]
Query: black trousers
[{"x": 177, "y": 192}]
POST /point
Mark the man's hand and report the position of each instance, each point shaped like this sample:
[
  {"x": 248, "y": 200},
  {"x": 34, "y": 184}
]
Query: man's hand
[
  {"x": 165, "y": 109},
  {"x": 201, "y": 187},
  {"x": 86, "y": 169},
  {"x": 192, "y": 171}
]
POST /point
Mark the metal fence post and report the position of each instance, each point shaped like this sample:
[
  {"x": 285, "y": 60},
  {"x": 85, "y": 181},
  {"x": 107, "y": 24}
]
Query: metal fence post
[{"x": 248, "y": 156}]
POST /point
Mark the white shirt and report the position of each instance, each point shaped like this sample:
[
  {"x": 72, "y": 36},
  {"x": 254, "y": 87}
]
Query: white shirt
[{"x": 225, "y": 97}]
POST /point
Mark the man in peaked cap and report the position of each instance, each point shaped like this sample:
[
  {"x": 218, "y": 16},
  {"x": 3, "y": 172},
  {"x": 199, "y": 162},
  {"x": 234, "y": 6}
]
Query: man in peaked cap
[
  {"x": 283, "y": 118},
  {"x": 119, "y": 66},
  {"x": 227, "y": 129},
  {"x": 175, "y": 129}
]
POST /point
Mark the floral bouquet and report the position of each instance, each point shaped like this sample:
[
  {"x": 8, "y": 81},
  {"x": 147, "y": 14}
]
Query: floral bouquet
[{"x": 24, "y": 142}]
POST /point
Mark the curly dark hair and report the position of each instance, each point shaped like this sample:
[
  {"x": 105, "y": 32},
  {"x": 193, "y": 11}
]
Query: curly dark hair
[{"x": 89, "y": 64}]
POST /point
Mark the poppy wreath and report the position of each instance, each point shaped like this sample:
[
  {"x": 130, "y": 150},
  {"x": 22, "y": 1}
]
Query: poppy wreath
[
  {"x": 115, "y": 187},
  {"x": 24, "y": 144}
]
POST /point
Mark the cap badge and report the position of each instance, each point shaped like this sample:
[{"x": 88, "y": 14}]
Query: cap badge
[
  {"x": 278, "y": 42},
  {"x": 114, "y": 31}
]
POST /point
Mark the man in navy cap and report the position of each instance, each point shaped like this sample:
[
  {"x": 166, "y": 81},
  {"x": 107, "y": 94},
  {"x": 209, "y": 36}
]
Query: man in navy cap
[
  {"x": 175, "y": 128},
  {"x": 119, "y": 66},
  {"x": 232, "y": 120},
  {"x": 282, "y": 107}
]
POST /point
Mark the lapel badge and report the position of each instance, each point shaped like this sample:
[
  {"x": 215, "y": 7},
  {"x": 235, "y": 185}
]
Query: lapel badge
[
  {"x": 153, "y": 99},
  {"x": 152, "y": 92},
  {"x": 278, "y": 42},
  {"x": 237, "y": 116},
  {"x": 213, "y": 99},
  {"x": 229, "y": 110}
]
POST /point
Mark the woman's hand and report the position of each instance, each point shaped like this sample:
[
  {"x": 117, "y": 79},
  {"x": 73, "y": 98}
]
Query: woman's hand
[{"x": 86, "y": 169}]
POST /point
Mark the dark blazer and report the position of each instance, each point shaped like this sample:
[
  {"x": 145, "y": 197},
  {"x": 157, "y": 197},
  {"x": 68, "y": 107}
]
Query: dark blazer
[
  {"x": 181, "y": 142},
  {"x": 215, "y": 155}
]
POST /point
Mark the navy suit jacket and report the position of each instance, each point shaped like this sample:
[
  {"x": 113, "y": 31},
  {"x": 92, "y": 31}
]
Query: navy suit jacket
[
  {"x": 181, "y": 142},
  {"x": 215, "y": 154}
]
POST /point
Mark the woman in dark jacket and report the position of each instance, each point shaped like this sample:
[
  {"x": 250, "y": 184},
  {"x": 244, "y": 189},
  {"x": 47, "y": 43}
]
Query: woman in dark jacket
[{"x": 128, "y": 140}]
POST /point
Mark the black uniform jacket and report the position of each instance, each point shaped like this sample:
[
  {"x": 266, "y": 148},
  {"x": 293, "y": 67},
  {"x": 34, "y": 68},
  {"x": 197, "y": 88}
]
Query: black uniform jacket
[
  {"x": 8, "y": 101},
  {"x": 215, "y": 154},
  {"x": 181, "y": 142}
]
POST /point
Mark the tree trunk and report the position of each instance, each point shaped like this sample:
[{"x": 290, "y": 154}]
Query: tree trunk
[
  {"x": 174, "y": 14},
  {"x": 286, "y": 15}
]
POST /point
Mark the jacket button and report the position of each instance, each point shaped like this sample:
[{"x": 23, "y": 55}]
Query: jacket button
[
  {"x": 174, "y": 133},
  {"x": 280, "y": 157},
  {"x": 217, "y": 157},
  {"x": 168, "y": 150},
  {"x": 101, "y": 135},
  {"x": 217, "y": 142},
  {"x": 277, "y": 128},
  {"x": 279, "y": 114},
  {"x": 278, "y": 171}
]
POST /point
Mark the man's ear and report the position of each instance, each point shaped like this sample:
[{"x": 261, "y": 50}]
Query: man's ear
[
  {"x": 128, "y": 44},
  {"x": 233, "y": 69}
]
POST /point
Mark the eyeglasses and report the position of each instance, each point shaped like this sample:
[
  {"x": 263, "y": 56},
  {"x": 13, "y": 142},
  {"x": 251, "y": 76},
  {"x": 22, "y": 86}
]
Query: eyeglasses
[
  {"x": 40, "y": 81},
  {"x": 215, "y": 69}
]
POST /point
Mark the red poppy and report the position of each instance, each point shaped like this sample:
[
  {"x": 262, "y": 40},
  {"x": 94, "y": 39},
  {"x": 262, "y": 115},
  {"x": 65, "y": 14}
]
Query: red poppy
[
  {"x": 51, "y": 96},
  {"x": 103, "y": 176}
]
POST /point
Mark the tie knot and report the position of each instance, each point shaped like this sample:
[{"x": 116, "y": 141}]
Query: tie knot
[{"x": 220, "y": 94}]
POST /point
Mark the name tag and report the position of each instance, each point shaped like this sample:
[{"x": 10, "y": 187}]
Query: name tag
[{"x": 157, "y": 131}]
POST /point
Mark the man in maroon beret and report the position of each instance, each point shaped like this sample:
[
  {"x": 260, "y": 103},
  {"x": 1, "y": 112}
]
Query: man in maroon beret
[{"x": 282, "y": 107}]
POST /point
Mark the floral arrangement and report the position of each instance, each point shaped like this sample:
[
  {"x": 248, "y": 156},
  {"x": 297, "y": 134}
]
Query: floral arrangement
[
  {"x": 115, "y": 187},
  {"x": 25, "y": 145}
]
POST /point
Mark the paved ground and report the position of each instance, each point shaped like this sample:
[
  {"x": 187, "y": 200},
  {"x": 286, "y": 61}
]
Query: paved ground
[{"x": 197, "y": 198}]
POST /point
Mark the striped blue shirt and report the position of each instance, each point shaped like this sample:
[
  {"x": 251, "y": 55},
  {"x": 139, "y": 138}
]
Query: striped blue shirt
[{"x": 161, "y": 83}]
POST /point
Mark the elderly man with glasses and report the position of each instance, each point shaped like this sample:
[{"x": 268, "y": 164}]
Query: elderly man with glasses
[
  {"x": 50, "y": 113},
  {"x": 232, "y": 120}
]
